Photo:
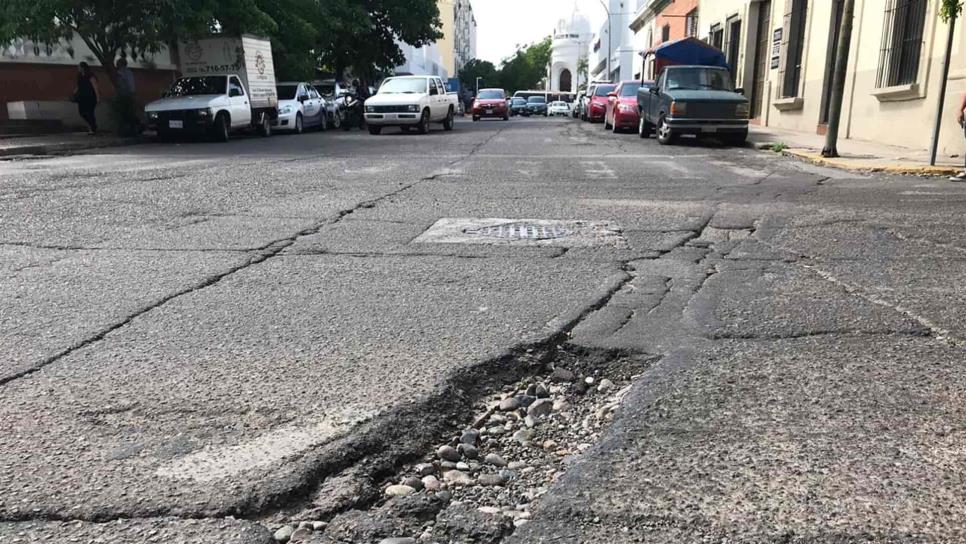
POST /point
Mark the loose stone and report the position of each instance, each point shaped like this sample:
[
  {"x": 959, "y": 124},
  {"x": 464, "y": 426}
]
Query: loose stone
[
  {"x": 447, "y": 465},
  {"x": 491, "y": 479},
  {"x": 605, "y": 385},
  {"x": 448, "y": 453},
  {"x": 399, "y": 490},
  {"x": 489, "y": 510},
  {"x": 526, "y": 400},
  {"x": 516, "y": 465},
  {"x": 398, "y": 540},
  {"x": 589, "y": 380},
  {"x": 305, "y": 525},
  {"x": 509, "y": 405},
  {"x": 540, "y": 391},
  {"x": 561, "y": 405},
  {"x": 301, "y": 535},
  {"x": 508, "y": 475},
  {"x": 284, "y": 534},
  {"x": 430, "y": 483},
  {"x": 469, "y": 451},
  {"x": 494, "y": 459},
  {"x": 523, "y": 436},
  {"x": 457, "y": 477},
  {"x": 561, "y": 375},
  {"x": 542, "y": 407},
  {"x": 470, "y": 436},
  {"x": 529, "y": 421},
  {"x": 413, "y": 482},
  {"x": 549, "y": 445},
  {"x": 532, "y": 390},
  {"x": 462, "y": 466},
  {"x": 319, "y": 525},
  {"x": 425, "y": 469}
]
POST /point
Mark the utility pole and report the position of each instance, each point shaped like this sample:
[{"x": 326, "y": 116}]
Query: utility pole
[
  {"x": 478, "y": 78},
  {"x": 838, "y": 80},
  {"x": 934, "y": 148},
  {"x": 609, "y": 43}
]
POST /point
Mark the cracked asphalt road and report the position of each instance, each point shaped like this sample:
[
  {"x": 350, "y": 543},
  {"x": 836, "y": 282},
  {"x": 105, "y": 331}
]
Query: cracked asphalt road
[{"x": 208, "y": 331}]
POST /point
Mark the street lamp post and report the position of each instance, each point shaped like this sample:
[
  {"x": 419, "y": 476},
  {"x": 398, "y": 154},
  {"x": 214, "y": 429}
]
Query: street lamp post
[
  {"x": 609, "y": 44},
  {"x": 478, "y": 78}
]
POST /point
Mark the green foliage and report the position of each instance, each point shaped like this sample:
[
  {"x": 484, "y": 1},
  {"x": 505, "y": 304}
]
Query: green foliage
[
  {"x": 523, "y": 71},
  {"x": 779, "y": 147},
  {"x": 483, "y": 69},
  {"x": 950, "y": 9}
]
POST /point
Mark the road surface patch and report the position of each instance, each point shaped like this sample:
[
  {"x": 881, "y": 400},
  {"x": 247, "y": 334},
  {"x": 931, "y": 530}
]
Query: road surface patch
[{"x": 524, "y": 232}]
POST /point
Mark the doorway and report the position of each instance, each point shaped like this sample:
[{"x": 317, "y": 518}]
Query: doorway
[
  {"x": 566, "y": 81},
  {"x": 761, "y": 58},
  {"x": 833, "y": 40},
  {"x": 734, "y": 45}
]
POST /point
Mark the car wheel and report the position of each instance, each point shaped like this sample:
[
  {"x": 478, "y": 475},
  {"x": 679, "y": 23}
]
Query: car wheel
[
  {"x": 299, "y": 127},
  {"x": 450, "y": 120},
  {"x": 506, "y": 117},
  {"x": 324, "y": 125},
  {"x": 423, "y": 126},
  {"x": 337, "y": 120},
  {"x": 475, "y": 118},
  {"x": 606, "y": 124},
  {"x": 222, "y": 127},
  {"x": 643, "y": 128},
  {"x": 374, "y": 130},
  {"x": 614, "y": 126},
  {"x": 665, "y": 136},
  {"x": 265, "y": 127}
]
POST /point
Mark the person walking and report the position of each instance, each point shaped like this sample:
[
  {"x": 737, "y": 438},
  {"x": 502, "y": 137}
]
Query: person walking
[
  {"x": 87, "y": 96},
  {"x": 125, "y": 100},
  {"x": 960, "y": 118}
]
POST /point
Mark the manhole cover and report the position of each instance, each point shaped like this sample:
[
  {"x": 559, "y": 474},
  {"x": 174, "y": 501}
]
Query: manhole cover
[{"x": 521, "y": 231}]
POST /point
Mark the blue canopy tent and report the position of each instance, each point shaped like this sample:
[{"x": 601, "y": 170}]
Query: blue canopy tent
[{"x": 686, "y": 51}]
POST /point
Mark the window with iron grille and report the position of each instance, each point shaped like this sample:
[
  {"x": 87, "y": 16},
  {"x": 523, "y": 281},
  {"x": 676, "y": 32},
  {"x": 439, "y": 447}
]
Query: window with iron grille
[
  {"x": 901, "y": 43},
  {"x": 666, "y": 33},
  {"x": 793, "y": 46},
  {"x": 691, "y": 23}
]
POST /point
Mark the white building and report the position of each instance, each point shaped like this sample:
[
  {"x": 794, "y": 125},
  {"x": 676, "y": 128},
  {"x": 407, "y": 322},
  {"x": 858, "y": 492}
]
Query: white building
[
  {"x": 615, "y": 41},
  {"x": 422, "y": 61},
  {"x": 642, "y": 25},
  {"x": 571, "y": 41}
]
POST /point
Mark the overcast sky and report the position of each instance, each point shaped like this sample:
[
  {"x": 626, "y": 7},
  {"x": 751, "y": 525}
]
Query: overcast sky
[{"x": 502, "y": 24}]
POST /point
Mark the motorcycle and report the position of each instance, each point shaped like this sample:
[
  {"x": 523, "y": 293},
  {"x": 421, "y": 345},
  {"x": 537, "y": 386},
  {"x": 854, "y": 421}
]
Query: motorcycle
[{"x": 353, "y": 112}]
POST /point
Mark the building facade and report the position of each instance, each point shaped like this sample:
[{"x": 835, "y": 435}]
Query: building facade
[
  {"x": 36, "y": 79},
  {"x": 422, "y": 61},
  {"x": 615, "y": 41},
  {"x": 458, "y": 44},
  {"x": 568, "y": 53},
  {"x": 783, "y": 55},
  {"x": 660, "y": 21}
]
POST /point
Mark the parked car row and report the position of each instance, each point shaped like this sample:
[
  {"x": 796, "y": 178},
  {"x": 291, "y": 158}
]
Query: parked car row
[{"x": 698, "y": 101}]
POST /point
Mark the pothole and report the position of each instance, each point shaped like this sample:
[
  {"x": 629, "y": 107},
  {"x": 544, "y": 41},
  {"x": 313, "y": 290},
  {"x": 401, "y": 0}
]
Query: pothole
[
  {"x": 480, "y": 484},
  {"x": 501, "y": 231}
]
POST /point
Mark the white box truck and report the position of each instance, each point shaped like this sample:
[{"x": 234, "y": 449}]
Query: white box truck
[{"x": 227, "y": 85}]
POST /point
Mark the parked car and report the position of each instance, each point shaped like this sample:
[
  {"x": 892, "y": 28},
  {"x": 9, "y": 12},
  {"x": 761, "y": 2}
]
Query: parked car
[
  {"x": 228, "y": 85},
  {"x": 575, "y": 107},
  {"x": 584, "y": 103},
  {"x": 411, "y": 102},
  {"x": 597, "y": 105},
  {"x": 491, "y": 103},
  {"x": 622, "y": 106},
  {"x": 537, "y": 105},
  {"x": 558, "y": 107},
  {"x": 699, "y": 100},
  {"x": 518, "y": 106},
  {"x": 300, "y": 106}
]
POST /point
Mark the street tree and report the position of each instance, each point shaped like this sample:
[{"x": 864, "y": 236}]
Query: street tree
[
  {"x": 362, "y": 34},
  {"x": 483, "y": 69},
  {"x": 526, "y": 68}
]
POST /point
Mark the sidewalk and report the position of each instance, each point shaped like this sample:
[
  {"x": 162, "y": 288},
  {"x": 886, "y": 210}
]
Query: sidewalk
[
  {"x": 857, "y": 155},
  {"x": 53, "y": 144}
]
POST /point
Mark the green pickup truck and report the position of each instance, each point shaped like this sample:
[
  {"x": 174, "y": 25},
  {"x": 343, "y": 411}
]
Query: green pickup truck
[{"x": 698, "y": 100}]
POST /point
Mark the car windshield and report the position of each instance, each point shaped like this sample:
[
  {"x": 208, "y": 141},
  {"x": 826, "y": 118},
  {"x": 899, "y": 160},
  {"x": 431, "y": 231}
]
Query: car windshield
[
  {"x": 404, "y": 85},
  {"x": 604, "y": 90},
  {"x": 559, "y": 104},
  {"x": 287, "y": 92},
  {"x": 490, "y": 95},
  {"x": 630, "y": 89},
  {"x": 190, "y": 86},
  {"x": 519, "y": 101},
  {"x": 537, "y": 100},
  {"x": 699, "y": 80},
  {"x": 326, "y": 89}
]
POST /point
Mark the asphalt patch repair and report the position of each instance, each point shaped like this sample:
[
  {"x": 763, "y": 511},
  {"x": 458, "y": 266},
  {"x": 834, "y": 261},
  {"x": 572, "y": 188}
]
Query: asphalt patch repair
[{"x": 523, "y": 232}]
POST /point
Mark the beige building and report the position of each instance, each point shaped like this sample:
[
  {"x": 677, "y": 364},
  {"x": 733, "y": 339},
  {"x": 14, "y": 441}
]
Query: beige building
[
  {"x": 783, "y": 51},
  {"x": 458, "y": 44}
]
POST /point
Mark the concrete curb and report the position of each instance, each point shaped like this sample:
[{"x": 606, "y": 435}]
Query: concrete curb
[
  {"x": 853, "y": 165},
  {"x": 67, "y": 147}
]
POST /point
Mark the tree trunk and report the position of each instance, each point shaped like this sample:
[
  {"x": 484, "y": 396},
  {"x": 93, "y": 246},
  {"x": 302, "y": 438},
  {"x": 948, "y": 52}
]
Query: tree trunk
[{"x": 838, "y": 80}]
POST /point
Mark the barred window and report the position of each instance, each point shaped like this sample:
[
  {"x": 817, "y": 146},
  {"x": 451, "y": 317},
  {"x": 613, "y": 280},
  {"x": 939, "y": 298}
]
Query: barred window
[
  {"x": 901, "y": 42},
  {"x": 793, "y": 46},
  {"x": 717, "y": 36},
  {"x": 665, "y": 33},
  {"x": 691, "y": 23}
]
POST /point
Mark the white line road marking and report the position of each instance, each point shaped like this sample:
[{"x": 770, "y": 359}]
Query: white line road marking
[{"x": 598, "y": 170}]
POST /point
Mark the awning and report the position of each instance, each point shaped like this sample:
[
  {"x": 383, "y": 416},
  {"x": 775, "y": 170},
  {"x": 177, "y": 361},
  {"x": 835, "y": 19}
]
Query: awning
[{"x": 688, "y": 51}]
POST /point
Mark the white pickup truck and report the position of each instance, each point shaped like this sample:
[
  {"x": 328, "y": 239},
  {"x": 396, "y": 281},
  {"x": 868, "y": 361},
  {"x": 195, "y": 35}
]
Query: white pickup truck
[
  {"x": 411, "y": 102},
  {"x": 228, "y": 85}
]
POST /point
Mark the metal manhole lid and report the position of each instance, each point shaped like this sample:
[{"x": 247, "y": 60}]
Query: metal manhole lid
[{"x": 521, "y": 231}]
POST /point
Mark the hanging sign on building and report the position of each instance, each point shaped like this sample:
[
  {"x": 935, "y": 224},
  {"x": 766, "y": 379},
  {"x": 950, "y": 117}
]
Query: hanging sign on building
[{"x": 776, "y": 49}]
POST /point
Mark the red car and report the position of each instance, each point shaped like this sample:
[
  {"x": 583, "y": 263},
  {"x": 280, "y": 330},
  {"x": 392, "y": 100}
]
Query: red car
[
  {"x": 597, "y": 107},
  {"x": 622, "y": 106},
  {"x": 491, "y": 103}
]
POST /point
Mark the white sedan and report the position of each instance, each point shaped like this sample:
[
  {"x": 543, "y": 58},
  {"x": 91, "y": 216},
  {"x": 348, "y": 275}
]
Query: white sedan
[
  {"x": 300, "y": 106},
  {"x": 558, "y": 108}
]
